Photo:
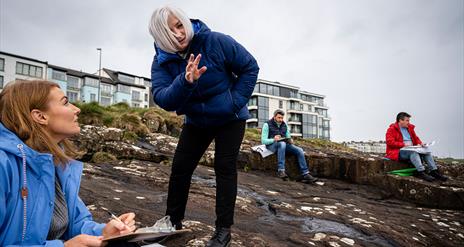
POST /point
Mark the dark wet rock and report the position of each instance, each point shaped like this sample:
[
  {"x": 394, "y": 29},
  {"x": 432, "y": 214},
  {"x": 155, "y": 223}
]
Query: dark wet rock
[{"x": 272, "y": 212}]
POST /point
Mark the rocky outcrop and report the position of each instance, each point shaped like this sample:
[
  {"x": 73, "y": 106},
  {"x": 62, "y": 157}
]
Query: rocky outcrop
[
  {"x": 94, "y": 139},
  {"x": 352, "y": 166}
]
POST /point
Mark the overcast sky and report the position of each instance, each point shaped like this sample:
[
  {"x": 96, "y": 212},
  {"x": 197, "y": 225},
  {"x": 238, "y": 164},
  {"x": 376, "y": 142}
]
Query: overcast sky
[{"x": 372, "y": 59}]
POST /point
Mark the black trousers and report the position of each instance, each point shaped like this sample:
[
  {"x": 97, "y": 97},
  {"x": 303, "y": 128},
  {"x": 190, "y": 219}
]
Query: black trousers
[{"x": 193, "y": 143}]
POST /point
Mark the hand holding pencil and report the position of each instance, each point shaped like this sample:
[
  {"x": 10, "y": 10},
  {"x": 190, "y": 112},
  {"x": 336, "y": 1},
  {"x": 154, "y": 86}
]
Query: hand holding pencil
[{"x": 119, "y": 225}]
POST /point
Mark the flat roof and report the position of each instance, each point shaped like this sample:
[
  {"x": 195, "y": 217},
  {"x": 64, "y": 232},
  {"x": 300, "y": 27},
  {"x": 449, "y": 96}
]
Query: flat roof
[{"x": 23, "y": 57}]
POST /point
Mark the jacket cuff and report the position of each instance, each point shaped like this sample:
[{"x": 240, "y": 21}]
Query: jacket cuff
[{"x": 186, "y": 84}]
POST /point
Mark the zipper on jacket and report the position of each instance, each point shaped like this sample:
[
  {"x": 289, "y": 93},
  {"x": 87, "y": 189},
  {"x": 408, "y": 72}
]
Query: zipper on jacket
[{"x": 24, "y": 191}]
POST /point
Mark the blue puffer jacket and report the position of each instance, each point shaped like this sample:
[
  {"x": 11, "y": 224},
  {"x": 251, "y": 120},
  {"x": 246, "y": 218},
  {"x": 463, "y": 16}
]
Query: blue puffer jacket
[
  {"x": 221, "y": 93},
  {"x": 40, "y": 174}
]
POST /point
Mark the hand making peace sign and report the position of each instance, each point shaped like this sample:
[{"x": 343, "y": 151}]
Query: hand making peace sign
[{"x": 192, "y": 73}]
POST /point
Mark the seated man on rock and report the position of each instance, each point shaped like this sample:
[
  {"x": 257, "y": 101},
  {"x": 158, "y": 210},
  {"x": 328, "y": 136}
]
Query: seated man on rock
[
  {"x": 276, "y": 136},
  {"x": 401, "y": 134}
]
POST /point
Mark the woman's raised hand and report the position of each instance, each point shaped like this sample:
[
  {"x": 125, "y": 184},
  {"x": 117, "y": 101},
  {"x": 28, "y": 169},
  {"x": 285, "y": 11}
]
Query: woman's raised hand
[{"x": 192, "y": 73}]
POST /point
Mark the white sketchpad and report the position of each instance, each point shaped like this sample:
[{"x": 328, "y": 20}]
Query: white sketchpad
[
  {"x": 420, "y": 149},
  {"x": 261, "y": 149}
]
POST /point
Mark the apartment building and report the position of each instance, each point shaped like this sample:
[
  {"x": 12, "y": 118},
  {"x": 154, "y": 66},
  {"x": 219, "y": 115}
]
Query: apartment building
[
  {"x": 132, "y": 89},
  {"x": 14, "y": 67},
  {"x": 305, "y": 112},
  {"x": 109, "y": 87},
  {"x": 378, "y": 147}
]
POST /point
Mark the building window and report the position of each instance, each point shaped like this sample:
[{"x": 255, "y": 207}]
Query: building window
[
  {"x": 263, "y": 88},
  {"x": 295, "y": 129},
  {"x": 293, "y": 93},
  {"x": 106, "y": 89},
  {"x": 58, "y": 75},
  {"x": 105, "y": 101},
  {"x": 146, "y": 97},
  {"x": 294, "y": 105},
  {"x": 125, "y": 78},
  {"x": 73, "y": 83},
  {"x": 256, "y": 89},
  {"x": 91, "y": 82},
  {"x": 93, "y": 97},
  {"x": 252, "y": 125},
  {"x": 294, "y": 117},
  {"x": 28, "y": 70},
  {"x": 281, "y": 104},
  {"x": 263, "y": 110},
  {"x": 2, "y": 64},
  {"x": 72, "y": 96},
  {"x": 285, "y": 92},
  {"x": 253, "y": 114},
  {"x": 253, "y": 101},
  {"x": 1, "y": 81},
  {"x": 135, "y": 105},
  {"x": 136, "y": 96},
  {"x": 123, "y": 88}
]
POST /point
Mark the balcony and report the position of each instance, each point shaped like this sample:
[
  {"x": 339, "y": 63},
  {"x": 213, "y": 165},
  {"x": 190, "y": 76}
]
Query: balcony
[
  {"x": 107, "y": 94},
  {"x": 252, "y": 107},
  {"x": 252, "y": 120},
  {"x": 76, "y": 89}
]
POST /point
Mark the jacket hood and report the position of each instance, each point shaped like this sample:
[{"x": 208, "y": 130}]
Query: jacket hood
[
  {"x": 200, "y": 31},
  {"x": 9, "y": 143}
]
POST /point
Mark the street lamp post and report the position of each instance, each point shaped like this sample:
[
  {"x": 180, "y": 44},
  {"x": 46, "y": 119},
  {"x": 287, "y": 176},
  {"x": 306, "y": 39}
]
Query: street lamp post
[{"x": 99, "y": 73}]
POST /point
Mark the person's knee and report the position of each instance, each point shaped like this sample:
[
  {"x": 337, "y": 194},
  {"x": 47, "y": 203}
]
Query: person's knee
[
  {"x": 415, "y": 155},
  {"x": 282, "y": 145}
]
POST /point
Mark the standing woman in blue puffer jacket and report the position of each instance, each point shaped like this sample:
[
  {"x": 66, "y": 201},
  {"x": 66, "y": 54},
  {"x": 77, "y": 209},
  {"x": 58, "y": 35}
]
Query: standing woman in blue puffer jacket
[
  {"x": 209, "y": 77},
  {"x": 39, "y": 180}
]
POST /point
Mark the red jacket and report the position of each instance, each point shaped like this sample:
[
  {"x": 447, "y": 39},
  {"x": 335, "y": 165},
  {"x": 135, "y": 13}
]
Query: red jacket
[{"x": 394, "y": 140}]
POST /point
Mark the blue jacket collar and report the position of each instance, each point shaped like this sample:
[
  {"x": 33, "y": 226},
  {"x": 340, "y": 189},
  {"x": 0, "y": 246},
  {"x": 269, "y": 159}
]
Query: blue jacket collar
[
  {"x": 35, "y": 160},
  {"x": 200, "y": 31}
]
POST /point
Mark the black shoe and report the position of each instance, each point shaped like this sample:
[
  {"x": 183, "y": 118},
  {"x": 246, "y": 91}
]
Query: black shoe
[
  {"x": 425, "y": 176},
  {"x": 437, "y": 175},
  {"x": 282, "y": 175},
  {"x": 177, "y": 225},
  {"x": 220, "y": 238},
  {"x": 307, "y": 179}
]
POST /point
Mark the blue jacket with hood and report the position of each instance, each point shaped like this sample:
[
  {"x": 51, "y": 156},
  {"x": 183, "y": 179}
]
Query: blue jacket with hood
[
  {"x": 40, "y": 182},
  {"x": 221, "y": 93}
]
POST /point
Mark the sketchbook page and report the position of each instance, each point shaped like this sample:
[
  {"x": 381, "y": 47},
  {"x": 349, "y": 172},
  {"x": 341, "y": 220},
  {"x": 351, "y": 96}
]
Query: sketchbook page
[
  {"x": 261, "y": 149},
  {"x": 138, "y": 236}
]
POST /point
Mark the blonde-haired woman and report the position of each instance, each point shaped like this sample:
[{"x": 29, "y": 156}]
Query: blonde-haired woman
[
  {"x": 39, "y": 180},
  {"x": 209, "y": 77}
]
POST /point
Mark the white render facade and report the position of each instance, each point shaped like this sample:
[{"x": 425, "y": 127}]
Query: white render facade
[
  {"x": 114, "y": 86},
  {"x": 378, "y": 147},
  {"x": 305, "y": 112},
  {"x": 14, "y": 67}
]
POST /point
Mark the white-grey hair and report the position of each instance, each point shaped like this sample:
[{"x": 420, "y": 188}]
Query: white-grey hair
[{"x": 159, "y": 28}]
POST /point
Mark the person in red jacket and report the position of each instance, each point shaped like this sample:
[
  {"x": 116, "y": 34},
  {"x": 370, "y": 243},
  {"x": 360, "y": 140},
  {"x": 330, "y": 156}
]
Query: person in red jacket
[{"x": 401, "y": 134}]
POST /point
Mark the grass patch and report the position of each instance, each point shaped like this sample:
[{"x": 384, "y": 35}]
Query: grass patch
[
  {"x": 102, "y": 157},
  {"x": 450, "y": 161}
]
